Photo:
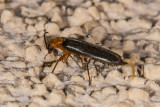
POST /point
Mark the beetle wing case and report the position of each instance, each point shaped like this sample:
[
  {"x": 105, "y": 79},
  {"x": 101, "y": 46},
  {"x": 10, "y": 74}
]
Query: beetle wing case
[{"x": 93, "y": 51}]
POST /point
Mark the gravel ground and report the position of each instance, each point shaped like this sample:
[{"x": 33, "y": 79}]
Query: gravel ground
[{"x": 130, "y": 28}]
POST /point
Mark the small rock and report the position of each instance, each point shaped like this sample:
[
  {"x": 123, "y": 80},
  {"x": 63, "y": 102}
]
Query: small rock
[
  {"x": 7, "y": 77},
  {"x": 16, "y": 64},
  {"x": 47, "y": 6},
  {"x": 112, "y": 99},
  {"x": 152, "y": 71},
  {"x": 108, "y": 91},
  {"x": 52, "y": 29},
  {"x": 114, "y": 77},
  {"x": 152, "y": 85},
  {"x": 94, "y": 12},
  {"x": 128, "y": 46},
  {"x": 30, "y": 21},
  {"x": 122, "y": 95},
  {"x": 38, "y": 100},
  {"x": 5, "y": 97},
  {"x": 72, "y": 30},
  {"x": 6, "y": 15},
  {"x": 98, "y": 34},
  {"x": 51, "y": 81},
  {"x": 137, "y": 82},
  {"x": 127, "y": 3},
  {"x": 33, "y": 54},
  {"x": 40, "y": 25},
  {"x": 77, "y": 89},
  {"x": 39, "y": 89},
  {"x": 71, "y": 99},
  {"x": 12, "y": 104},
  {"x": 138, "y": 95},
  {"x": 79, "y": 17},
  {"x": 78, "y": 80},
  {"x": 56, "y": 18},
  {"x": 31, "y": 30},
  {"x": 56, "y": 97}
]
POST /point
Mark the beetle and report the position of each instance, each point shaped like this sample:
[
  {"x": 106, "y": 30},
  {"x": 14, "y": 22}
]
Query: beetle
[{"x": 85, "y": 50}]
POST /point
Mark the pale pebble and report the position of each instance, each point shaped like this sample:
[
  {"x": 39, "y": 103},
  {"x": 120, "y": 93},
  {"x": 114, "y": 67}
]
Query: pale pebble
[
  {"x": 31, "y": 30},
  {"x": 33, "y": 54},
  {"x": 108, "y": 91},
  {"x": 98, "y": 34},
  {"x": 7, "y": 77},
  {"x": 6, "y": 15},
  {"x": 15, "y": 26},
  {"x": 52, "y": 29},
  {"x": 35, "y": 80},
  {"x": 117, "y": 11},
  {"x": 79, "y": 17},
  {"x": 52, "y": 80},
  {"x": 1, "y": 57},
  {"x": 127, "y": 71},
  {"x": 112, "y": 99},
  {"x": 12, "y": 104},
  {"x": 103, "y": 16},
  {"x": 122, "y": 95},
  {"x": 94, "y": 12},
  {"x": 75, "y": 2},
  {"x": 5, "y": 97},
  {"x": 56, "y": 17},
  {"x": 151, "y": 72},
  {"x": 16, "y": 64},
  {"x": 138, "y": 82},
  {"x": 40, "y": 25},
  {"x": 12, "y": 58},
  {"x": 114, "y": 77},
  {"x": 150, "y": 49},
  {"x": 138, "y": 95},
  {"x": 77, "y": 89},
  {"x": 72, "y": 30},
  {"x": 152, "y": 85},
  {"x": 56, "y": 97},
  {"x": 127, "y": 3},
  {"x": 90, "y": 25},
  {"x": 38, "y": 100},
  {"x": 86, "y": 4},
  {"x": 30, "y": 21},
  {"x": 97, "y": 94},
  {"x": 71, "y": 99},
  {"x": 135, "y": 57},
  {"x": 128, "y": 45},
  {"x": 2, "y": 68},
  {"x": 47, "y": 6},
  {"x": 106, "y": 25},
  {"x": 30, "y": 12},
  {"x": 126, "y": 26},
  {"x": 39, "y": 89},
  {"x": 78, "y": 80},
  {"x": 33, "y": 104},
  {"x": 122, "y": 104}
]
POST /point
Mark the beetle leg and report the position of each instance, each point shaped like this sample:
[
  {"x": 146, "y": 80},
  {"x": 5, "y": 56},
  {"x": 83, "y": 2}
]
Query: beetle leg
[
  {"x": 88, "y": 70},
  {"x": 96, "y": 66},
  {"x": 60, "y": 59}
]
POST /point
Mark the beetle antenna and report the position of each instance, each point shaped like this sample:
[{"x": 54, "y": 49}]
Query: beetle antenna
[
  {"x": 45, "y": 39},
  {"x": 45, "y": 42}
]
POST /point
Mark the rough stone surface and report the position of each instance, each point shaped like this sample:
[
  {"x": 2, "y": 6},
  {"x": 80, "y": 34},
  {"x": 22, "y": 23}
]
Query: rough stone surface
[{"x": 129, "y": 28}]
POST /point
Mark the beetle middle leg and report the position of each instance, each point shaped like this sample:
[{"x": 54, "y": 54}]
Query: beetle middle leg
[{"x": 87, "y": 63}]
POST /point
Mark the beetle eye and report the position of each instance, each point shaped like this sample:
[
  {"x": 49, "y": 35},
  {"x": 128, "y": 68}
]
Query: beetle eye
[{"x": 50, "y": 47}]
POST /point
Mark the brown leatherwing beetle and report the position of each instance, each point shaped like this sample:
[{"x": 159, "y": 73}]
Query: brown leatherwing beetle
[{"x": 87, "y": 52}]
